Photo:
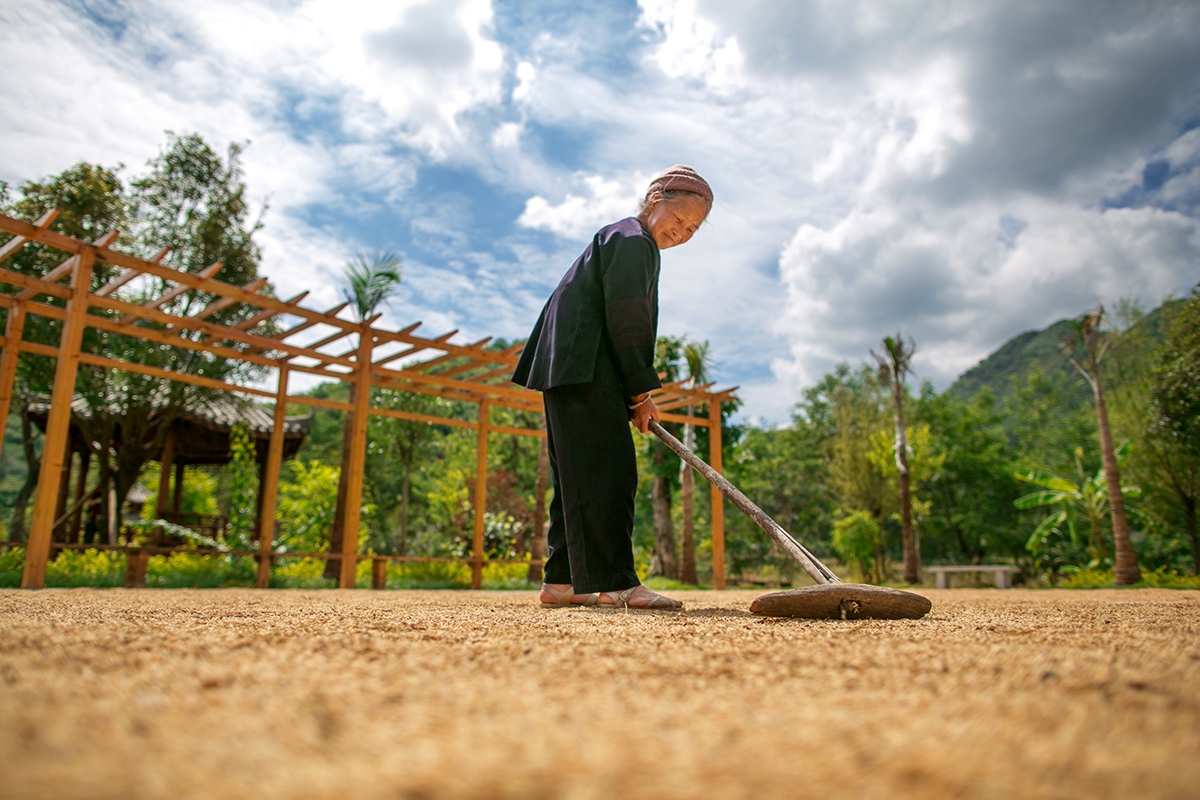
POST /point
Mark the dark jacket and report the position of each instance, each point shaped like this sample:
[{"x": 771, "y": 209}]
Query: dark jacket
[{"x": 608, "y": 298}]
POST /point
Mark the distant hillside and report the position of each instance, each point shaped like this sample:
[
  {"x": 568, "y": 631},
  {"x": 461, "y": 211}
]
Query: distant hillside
[{"x": 1018, "y": 355}]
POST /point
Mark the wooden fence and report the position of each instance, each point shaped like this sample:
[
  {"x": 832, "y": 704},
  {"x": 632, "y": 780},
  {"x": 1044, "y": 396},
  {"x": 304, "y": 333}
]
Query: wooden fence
[{"x": 313, "y": 342}]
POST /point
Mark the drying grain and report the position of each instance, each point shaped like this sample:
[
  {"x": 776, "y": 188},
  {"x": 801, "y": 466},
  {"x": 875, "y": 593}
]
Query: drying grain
[{"x": 238, "y": 693}]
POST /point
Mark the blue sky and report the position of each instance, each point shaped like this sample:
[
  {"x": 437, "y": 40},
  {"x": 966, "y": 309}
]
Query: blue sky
[{"x": 959, "y": 171}]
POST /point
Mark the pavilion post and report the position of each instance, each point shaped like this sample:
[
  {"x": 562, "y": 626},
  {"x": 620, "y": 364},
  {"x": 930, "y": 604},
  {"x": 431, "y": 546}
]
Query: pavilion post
[
  {"x": 358, "y": 454},
  {"x": 166, "y": 463},
  {"x": 268, "y": 487},
  {"x": 481, "y": 453},
  {"x": 58, "y": 422},
  {"x": 85, "y": 462},
  {"x": 718, "y": 499},
  {"x": 14, "y": 331}
]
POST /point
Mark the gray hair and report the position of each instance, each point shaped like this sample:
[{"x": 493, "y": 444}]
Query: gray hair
[{"x": 668, "y": 195}]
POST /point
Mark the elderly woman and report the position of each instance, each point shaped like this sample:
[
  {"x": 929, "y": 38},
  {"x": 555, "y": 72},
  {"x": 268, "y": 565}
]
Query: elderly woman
[{"x": 591, "y": 354}]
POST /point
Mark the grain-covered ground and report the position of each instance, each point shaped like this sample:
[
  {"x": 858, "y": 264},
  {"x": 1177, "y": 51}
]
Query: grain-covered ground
[{"x": 238, "y": 693}]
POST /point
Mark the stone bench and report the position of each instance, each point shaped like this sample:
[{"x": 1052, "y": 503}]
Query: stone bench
[{"x": 1003, "y": 574}]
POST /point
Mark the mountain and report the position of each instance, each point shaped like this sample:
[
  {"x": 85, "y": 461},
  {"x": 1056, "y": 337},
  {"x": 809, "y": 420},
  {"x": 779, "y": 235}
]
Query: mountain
[
  {"x": 1015, "y": 358},
  {"x": 1044, "y": 348}
]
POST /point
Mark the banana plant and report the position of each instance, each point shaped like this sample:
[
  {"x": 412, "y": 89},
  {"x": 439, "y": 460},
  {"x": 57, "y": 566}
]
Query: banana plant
[{"x": 1084, "y": 497}]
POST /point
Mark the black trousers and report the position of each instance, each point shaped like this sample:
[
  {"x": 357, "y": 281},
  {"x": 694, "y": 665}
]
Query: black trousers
[{"x": 593, "y": 468}]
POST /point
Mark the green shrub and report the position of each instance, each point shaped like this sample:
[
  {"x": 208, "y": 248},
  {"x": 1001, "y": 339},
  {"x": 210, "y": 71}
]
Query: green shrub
[
  {"x": 1161, "y": 578},
  {"x": 86, "y": 568}
]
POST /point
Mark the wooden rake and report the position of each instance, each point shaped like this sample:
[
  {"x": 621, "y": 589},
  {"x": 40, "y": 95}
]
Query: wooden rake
[{"x": 830, "y": 598}]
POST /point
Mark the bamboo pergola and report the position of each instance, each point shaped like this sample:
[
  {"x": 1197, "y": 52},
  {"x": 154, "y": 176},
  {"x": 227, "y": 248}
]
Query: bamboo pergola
[{"x": 358, "y": 353}]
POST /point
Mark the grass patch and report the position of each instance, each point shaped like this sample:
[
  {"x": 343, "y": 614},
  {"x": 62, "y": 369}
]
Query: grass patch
[{"x": 1161, "y": 578}]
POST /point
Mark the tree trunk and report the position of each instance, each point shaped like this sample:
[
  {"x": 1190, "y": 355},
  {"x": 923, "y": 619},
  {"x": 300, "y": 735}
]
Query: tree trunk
[
  {"x": 17, "y": 531},
  {"x": 1127, "y": 571},
  {"x": 664, "y": 562},
  {"x": 404, "y": 487},
  {"x": 537, "y": 547},
  {"x": 333, "y": 566},
  {"x": 912, "y": 562},
  {"x": 687, "y": 499}
]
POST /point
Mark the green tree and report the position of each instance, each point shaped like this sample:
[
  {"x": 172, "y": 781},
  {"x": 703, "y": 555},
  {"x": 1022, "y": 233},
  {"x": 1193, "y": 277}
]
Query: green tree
[
  {"x": 306, "y": 505},
  {"x": 243, "y": 488},
  {"x": 857, "y": 538},
  {"x": 971, "y": 517},
  {"x": 92, "y": 202},
  {"x": 1174, "y": 440}
]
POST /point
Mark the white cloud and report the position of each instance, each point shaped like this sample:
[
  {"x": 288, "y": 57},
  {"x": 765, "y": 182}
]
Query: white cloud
[
  {"x": 956, "y": 283},
  {"x": 579, "y": 216}
]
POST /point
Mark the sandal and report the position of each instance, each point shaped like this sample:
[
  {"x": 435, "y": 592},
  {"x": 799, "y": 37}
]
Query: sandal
[
  {"x": 621, "y": 600},
  {"x": 564, "y": 598}
]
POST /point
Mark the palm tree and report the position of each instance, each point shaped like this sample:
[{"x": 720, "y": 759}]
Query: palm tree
[
  {"x": 699, "y": 368},
  {"x": 1086, "y": 347},
  {"x": 369, "y": 279},
  {"x": 894, "y": 366}
]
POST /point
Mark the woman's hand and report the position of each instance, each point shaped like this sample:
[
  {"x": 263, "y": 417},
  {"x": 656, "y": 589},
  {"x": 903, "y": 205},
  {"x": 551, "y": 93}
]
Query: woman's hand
[{"x": 643, "y": 413}]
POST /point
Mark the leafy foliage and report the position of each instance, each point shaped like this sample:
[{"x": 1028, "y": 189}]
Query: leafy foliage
[{"x": 243, "y": 488}]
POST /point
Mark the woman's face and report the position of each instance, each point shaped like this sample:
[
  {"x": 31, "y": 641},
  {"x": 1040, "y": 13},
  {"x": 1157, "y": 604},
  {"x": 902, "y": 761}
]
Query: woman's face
[{"x": 672, "y": 222}]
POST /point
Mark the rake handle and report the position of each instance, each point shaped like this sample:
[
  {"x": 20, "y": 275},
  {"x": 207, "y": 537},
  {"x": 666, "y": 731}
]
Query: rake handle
[{"x": 815, "y": 569}]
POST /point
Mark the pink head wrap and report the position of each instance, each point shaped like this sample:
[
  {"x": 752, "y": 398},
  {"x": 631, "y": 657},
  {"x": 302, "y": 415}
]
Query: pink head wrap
[{"x": 681, "y": 178}]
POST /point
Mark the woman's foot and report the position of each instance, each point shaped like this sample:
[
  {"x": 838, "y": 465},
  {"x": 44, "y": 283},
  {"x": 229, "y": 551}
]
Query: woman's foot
[
  {"x": 639, "y": 597},
  {"x": 562, "y": 595}
]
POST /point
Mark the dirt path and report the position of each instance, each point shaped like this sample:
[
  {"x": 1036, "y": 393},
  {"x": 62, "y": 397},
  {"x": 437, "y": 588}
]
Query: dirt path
[{"x": 237, "y": 693}]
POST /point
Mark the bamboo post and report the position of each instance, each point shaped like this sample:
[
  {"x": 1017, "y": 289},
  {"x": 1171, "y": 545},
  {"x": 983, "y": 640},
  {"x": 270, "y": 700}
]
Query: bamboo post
[
  {"x": 358, "y": 454},
  {"x": 718, "y": 499},
  {"x": 14, "y": 332},
  {"x": 166, "y": 462},
  {"x": 85, "y": 462},
  {"x": 268, "y": 487},
  {"x": 481, "y": 449},
  {"x": 58, "y": 422}
]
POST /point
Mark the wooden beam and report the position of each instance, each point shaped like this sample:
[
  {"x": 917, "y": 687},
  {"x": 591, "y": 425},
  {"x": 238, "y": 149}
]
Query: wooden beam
[
  {"x": 181, "y": 289},
  {"x": 14, "y": 331},
  {"x": 222, "y": 303},
  {"x": 685, "y": 420},
  {"x": 717, "y": 499},
  {"x": 38, "y": 285},
  {"x": 432, "y": 419},
  {"x": 268, "y": 488},
  {"x": 155, "y": 372},
  {"x": 481, "y": 453},
  {"x": 358, "y": 453},
  {"x": 218, "y": 332},
  {"x": 53, "y": 276},
  {"x": 263, "y": 316},
  {"x": 17, "y": 242},
  {"x": 58, "y": 424},
  {"x": 116, "y": 283},
  {"x": 319, "y": 402}
]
